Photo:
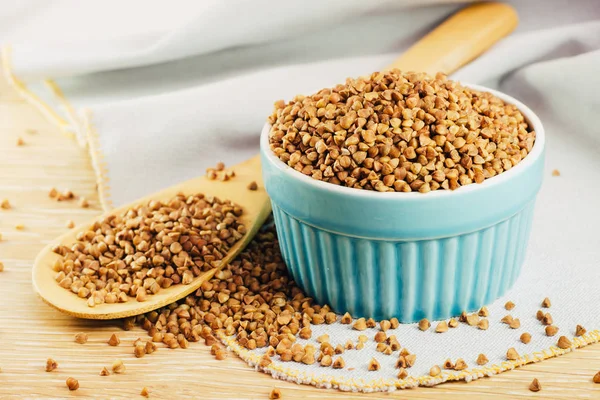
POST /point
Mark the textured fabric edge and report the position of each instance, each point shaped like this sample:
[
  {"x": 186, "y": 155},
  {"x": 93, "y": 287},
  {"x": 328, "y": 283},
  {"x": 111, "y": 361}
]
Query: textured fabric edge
[
  {"x": 23, "y": 91},
  {"x": 80, "y": 128},
  {"x": 279, "y": 371},
  {"x": 68, "y": 109},
  {"x": 98, "y": 161}
]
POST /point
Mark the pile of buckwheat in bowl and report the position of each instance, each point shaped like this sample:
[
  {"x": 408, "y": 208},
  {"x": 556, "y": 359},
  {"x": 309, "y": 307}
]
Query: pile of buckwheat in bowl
[
  {"x": 400, "y": 132},
  {"x": 392, "y": 133}
]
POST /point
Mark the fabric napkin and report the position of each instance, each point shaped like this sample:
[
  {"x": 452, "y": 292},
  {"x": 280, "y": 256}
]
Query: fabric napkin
[
  {"x": 160, "y": 100},
  {"x": 159, "y": 94}
]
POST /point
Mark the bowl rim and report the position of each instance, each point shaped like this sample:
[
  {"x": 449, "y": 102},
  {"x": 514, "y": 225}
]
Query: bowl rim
[{"x": 535, "y": 153}]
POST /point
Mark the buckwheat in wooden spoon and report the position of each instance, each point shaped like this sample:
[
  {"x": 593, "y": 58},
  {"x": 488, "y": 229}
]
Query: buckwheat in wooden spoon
[
  {"x": 256, "y": 208},
  {"x": 455, "y": 42}
]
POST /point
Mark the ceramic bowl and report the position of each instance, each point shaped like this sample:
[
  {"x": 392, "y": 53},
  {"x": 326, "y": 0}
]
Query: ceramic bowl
[{"x": 405, "y": 255}]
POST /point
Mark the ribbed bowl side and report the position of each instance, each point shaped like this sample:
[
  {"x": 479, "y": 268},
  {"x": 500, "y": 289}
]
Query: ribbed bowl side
[{"x": 410, "y": 280}]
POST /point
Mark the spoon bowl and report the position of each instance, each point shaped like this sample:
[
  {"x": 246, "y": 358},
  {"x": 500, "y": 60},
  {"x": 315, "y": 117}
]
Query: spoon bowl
[{"x": 256, "y": 208}]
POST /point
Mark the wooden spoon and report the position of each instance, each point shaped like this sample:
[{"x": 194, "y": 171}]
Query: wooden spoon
[
  {"x": 455, "y": 42},
  {"x": 459, "y": 39},
  {"x": 256, "y": 206}
]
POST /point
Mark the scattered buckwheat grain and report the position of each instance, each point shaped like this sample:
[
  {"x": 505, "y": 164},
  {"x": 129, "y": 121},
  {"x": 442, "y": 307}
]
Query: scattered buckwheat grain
[
  {"x": 580, "y": 330},
  {"x": 460, "y": 365},
  {"x": 66, "y": 195},
  {"x": 535, "y": 385},
  {"x": 546, "y": 303},
  {"x": 118, "y": 367},
  {"x": 555, "y": 172},
  {"x": 308, "y": 358},
  {"x": 346, "y": 319},
  {"x": 596, "y": 378},
  {"x": 515, "y": 323},
  {"x": 403, "y": 373},
  {"x": 81, "y": 338},
  {"x": 539, "y": 315},
  {"x": 114, "y": 340},
  {"x": 145, "y": 392},
  {"x": 150, "y": 347},
  {"x": 275, "y": 394},
  {"x": 360, "y": 324},
  {"x": 339, "y": 363},
  {"x": 380, "y": 337},
  {"x": 483, "y": 324},
  {"x": 374, "y": 365},
  {"x": 72, "y": 383},
  {"x": 509, "y": 305},
  {"x": 104, "y": 372},
  {"x": 323, "y": 338},
  {"x": 264, "y": 361},
  {"x": 20, "y": 141},
  {"x": 326, "y": 361},
  {"x": 385, "y": 325},
  {"x": 211, "y": 174},
  {"x": 435, "y": 370},
  {"x": 51, "y": 365},
  {"x": 511, "y": 354},
  {"x": 525, "y": 337},
  {"x": 473, "y": 319},
  {"x": 482, "y": 359},
  {"x": 253, "y": 186},
  {"x": 424, "y": 324},
  {"x": 139, "y": 351},
  {"x": 551, "y": 330},
  {"x": 564, "y": 342},
  {"x": 441, "y": 327},
  {"x": 5, "y": 205},
  {"x": 305, "y": 333}
]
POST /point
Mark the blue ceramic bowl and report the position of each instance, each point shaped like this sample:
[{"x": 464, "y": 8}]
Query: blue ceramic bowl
[{"x": 405, "y": 255}]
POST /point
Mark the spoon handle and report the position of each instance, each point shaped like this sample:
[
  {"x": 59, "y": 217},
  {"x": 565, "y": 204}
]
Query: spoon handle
[{"x": 459, "y": 39}]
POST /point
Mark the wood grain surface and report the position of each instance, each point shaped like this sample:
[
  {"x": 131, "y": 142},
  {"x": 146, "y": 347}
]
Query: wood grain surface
[{"x": 31, "y": 331}]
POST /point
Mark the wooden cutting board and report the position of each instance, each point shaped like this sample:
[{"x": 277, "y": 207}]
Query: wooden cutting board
[{"x": 31, "y": 331}]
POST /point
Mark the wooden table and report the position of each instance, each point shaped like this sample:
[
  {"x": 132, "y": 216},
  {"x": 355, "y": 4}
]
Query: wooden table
[{"x": 31, "y": 331}]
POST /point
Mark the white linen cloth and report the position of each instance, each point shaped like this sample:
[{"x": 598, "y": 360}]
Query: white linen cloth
[
  {"x": 172, "y": 90},
  {"x": 201, "y": 77}
]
